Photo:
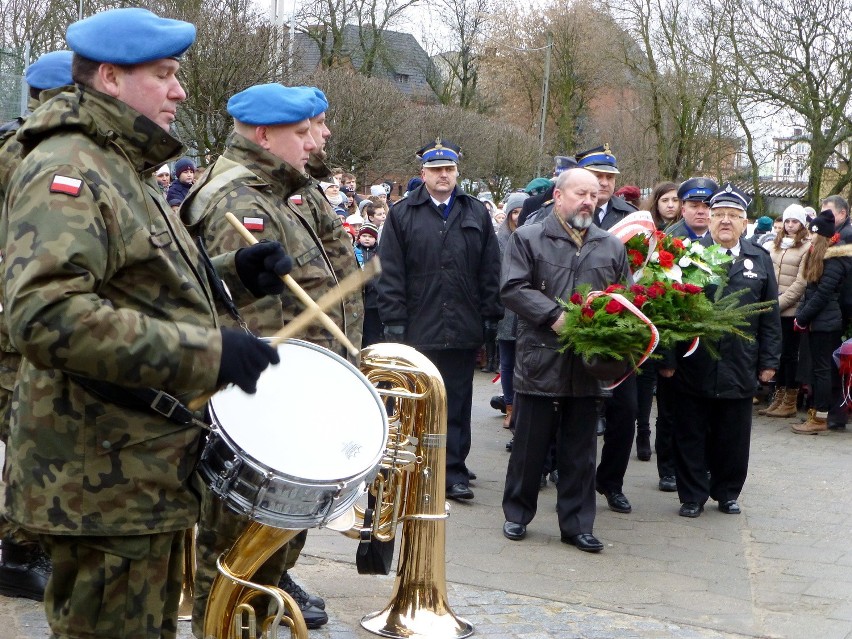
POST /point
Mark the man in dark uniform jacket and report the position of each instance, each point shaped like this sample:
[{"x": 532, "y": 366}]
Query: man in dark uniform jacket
[
  {"x": 439, "y": 289},
  {"x": 694, "y": 194},
  {"x": 714, "y": 406},
  {"x": 621, "y": 409}
]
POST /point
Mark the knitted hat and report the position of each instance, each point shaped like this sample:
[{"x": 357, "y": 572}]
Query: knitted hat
[
  {"x": 514, "y": 201},
  {"x": 354, "y": 219},
  {"x": 823, "y": 224},
  {"x": 413, "y": 183},
  {"x": 764, "y": 224},
  {"x": 369, "y": 229},
  {"x": 182, "y": 165},
  {"x": 795, "y": 212}
]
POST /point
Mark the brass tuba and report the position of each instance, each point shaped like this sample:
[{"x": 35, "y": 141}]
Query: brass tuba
[{"x": 409, "y": 489}]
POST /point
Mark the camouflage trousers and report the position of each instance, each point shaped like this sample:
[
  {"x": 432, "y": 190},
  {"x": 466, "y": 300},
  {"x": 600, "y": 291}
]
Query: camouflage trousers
[
  {"x": 218, "y": 529},
  {"x": 114, "y": 587}
]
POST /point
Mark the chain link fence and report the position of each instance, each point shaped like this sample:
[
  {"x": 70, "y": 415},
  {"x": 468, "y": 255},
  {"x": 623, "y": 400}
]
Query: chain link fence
[{"x": 13, "y": 88}]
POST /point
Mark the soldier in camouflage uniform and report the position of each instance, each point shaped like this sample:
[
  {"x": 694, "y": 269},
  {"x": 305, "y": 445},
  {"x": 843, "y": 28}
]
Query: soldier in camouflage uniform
[
  {"x": 108, "y": 299},
  {"x": 260, "y": 179},
  {"x": 24, "y": 567}
]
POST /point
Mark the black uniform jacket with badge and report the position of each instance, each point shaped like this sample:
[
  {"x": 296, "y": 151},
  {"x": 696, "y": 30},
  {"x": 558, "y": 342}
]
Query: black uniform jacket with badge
[
  {"x": 542, "y": 263},
  {"x": 680, "y": 229},
  {"x": 439, "y": 278},
  {"x": 844, "y": 230},
  {"x": 734, "y": 374},
  {"x": 103, "y": 281},
  {"x": 617, "y": 209},
  {"x": 819, "y": 308}
]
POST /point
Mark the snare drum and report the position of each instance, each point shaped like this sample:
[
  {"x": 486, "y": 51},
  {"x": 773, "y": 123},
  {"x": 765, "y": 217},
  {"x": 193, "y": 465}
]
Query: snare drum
[{"x": 300, "y": 451}]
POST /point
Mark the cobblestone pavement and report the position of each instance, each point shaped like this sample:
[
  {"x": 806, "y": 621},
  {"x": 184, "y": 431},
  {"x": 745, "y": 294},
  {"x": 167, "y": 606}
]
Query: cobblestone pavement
[{"x": 782, "y": 569}]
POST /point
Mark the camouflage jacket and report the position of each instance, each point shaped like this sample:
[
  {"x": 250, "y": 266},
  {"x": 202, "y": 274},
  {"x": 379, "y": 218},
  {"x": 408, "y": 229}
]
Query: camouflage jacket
[
  {"x": 263, "y": 192},
  {"x": 103, "y": 281}
]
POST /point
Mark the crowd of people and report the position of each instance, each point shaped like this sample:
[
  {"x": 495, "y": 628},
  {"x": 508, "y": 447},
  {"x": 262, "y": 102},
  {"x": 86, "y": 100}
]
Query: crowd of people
[{"x": 127, "y": 295}]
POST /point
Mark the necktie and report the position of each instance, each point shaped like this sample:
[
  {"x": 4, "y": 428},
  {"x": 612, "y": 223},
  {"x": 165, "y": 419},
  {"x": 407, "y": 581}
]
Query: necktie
[
  {"x": 729, "y": 252},
  {"x": 442, "y": 207}
]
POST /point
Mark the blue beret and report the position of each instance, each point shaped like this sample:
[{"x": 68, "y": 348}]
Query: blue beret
[
  {"x": 439, "y": 153},
  {"x": 271, "y": 104},
  {"x": 698, "y": 189},
  {"x": 320, "y": 102},
  {"x": 598, "y": 159},
  {"x": 730, "y": 196},
  {"x": 50, "y": 71},
  {"x": 129, "y": 36}
]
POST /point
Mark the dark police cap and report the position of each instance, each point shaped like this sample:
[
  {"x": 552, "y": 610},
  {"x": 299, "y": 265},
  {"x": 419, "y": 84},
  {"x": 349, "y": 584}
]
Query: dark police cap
[
  {"x": 439, "y": 153},
  {"x": 50, "y": 71},
  {"x": 729, "y": 196},
  {"x": 562, "y": 163},
  {"x": 273, "y": 104},
  {"x": 129, "y": 36},
  {"x": 599, "y": 159},
  {"x": 697, "y": 189}
]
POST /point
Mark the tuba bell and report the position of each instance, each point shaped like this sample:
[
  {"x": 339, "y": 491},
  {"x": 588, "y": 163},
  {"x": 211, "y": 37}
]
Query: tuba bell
[{"x": 409, "y": 489}]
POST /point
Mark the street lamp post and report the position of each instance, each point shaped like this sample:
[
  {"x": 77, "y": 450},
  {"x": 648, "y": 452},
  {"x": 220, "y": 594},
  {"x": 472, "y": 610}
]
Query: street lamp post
[{"x": 544, "y": 99}]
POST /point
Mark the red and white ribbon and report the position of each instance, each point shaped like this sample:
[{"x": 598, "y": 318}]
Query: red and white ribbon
[{"x": 630, "y": 306}]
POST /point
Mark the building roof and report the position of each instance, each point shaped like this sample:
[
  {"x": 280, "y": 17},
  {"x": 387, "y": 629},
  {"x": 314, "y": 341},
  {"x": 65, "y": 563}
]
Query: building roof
[{"x": 796, "y": 190}]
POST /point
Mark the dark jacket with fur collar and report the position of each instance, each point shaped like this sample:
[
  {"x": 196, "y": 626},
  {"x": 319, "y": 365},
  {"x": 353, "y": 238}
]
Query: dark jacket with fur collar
[{"x": 819, "y": 308}]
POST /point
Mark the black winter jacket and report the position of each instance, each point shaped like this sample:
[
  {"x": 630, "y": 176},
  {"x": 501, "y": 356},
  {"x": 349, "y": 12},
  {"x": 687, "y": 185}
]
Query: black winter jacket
[
  {"x": 819, "y": 308},
  {"x": 439, "y": 277},
  {"x": 617, "y": 209},
  {"x": 734, "y": 374},
  {"x": 542, "y": 263}
]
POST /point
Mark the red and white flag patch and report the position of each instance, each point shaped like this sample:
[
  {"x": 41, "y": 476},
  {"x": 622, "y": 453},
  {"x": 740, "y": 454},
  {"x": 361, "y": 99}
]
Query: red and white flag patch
[
  {"x": 66, "y": 185},
  {"x": 253, "y": 223},
  {"x": 296, "y": 199}
]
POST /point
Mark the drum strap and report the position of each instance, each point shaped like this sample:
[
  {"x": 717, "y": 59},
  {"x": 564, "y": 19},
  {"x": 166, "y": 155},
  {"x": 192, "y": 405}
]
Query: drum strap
[
  {"x": 220, "y": 291},
  {"x": 141, "y": 399}
]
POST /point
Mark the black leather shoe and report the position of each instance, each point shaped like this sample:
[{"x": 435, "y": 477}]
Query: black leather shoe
[
  {"x": 668, "y": 483},
  {"x": 836, "y": 426},
  {"x": 643, "y": 446},
  {"x": 471, "y": 475},
  {"x": 617, "y": 501},
  {"x": 459, "y": 491},
  {"x": 690, "y": 509},
  {"x": 298, "y": 593},
  {"x": 730, "y": 507},
  {"x": 586, "y": 542},
  {"x": 24, "y": 570},
  {"x": 514, "y": 531},
  {"x": 554, "y": 476},
  {"x": 498, "y": 402},
  {"x": 509, "y": 444}
]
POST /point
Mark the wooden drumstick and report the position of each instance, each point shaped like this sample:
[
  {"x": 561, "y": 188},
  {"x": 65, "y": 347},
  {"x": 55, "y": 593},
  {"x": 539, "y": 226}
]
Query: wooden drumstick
[
  {"x": 348, "y": 285},
  {"x": 328, "y": 323}
]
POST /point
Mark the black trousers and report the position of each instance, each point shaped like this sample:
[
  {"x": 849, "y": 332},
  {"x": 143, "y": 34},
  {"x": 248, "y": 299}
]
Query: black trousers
[
  {"x": 572, "y": 421},
  {"x": 825, "y": 379},
  {"x": 786, "y": 375},
  {"x": 645, "y": 380},
  {"x": 456, "y": 367},
  {"x": 715, "y": 435},
  {"x": 665, "y": 425},
  {"x": 621, "y": 411}
]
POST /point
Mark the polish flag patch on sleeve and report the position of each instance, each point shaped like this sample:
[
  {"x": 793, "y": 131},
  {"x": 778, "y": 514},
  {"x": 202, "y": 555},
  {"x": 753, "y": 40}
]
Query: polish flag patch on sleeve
[
  {"x": 296, "y": 199},
  {"x": 253, "y": 223},
  {"x": 66, "y": 185}
]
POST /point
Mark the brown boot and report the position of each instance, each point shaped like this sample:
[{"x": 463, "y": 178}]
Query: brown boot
[
  {"x": 787, "y": 407},
  {"x": 775, "y": 404},
  {"x": 817, "y": 423},
  {"x": 507, "y": 421}
]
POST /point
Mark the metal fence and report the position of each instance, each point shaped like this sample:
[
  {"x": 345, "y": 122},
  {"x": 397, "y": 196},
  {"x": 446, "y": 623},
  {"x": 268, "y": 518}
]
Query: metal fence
[{"x": 12, "y": 96}]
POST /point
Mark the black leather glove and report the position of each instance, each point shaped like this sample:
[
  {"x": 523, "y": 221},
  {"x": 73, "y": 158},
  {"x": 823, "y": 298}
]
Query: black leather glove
[
  {"x": 394, "y": 333},
  {"x": 489, "y": 330},
  {"x": 261, "y": 266},
  {"x": 244, "y": 358}
]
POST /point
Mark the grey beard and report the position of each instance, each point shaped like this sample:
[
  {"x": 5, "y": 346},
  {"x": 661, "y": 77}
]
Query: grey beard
[{"x": 580, "y": 222}]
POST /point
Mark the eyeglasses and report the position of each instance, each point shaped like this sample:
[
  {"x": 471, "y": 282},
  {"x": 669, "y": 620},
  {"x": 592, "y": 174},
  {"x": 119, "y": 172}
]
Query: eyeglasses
[{"x": 719, "y": 215}]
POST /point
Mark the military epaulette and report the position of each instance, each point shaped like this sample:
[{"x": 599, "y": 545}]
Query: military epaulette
[{"x": 548, "y": 203}]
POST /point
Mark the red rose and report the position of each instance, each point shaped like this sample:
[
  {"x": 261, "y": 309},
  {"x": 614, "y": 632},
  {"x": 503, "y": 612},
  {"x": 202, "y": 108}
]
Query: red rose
[
  {"x": 666, "y": 259},
  {"x": 660, "y": 236},
  {"x": 677, "y": 243},
  {"x": 587, "y": 311},
  {"x": 677, "y": 286},
  {"x": 612, "y": 288},
  {"x": 657, "y": 289},
  {"x": 576, "y": 298},
  {"x": 614, "y": 307},
  {"x": 639, "y": 300},
  {"x": 692, "y": 289},
  {"x": 636, "y": 258},
  {"x": 637, "y": 289}
]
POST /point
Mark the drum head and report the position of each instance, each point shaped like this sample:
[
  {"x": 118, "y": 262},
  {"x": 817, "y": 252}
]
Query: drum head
[{"x": 314, "y": 416}]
